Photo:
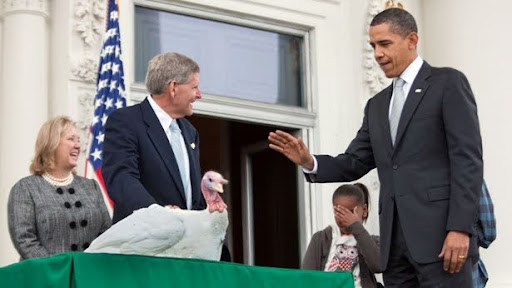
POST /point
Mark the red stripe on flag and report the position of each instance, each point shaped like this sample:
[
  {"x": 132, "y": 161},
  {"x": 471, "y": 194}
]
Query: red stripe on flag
[{"x": 103, "y": 188}]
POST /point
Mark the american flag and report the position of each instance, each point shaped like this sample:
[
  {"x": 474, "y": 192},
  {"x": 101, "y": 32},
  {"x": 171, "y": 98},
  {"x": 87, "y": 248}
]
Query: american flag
[{"x": 110, "y": 89}]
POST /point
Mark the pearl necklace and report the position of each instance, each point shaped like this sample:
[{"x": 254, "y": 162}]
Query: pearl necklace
[{"x": 58, "y": 181}]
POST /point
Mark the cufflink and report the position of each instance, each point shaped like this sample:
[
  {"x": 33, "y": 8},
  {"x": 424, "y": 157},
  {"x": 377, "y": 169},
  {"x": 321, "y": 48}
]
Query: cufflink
[
  {"x": 417, "y": 90},
  {"x": 193, "y": 146}
]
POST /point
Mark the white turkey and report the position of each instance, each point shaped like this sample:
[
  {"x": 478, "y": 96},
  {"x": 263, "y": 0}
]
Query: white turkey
[{"x": 163, "y": 231}]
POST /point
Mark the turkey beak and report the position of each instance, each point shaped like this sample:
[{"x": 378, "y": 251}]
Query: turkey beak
[{"x": 219, "y": 188}]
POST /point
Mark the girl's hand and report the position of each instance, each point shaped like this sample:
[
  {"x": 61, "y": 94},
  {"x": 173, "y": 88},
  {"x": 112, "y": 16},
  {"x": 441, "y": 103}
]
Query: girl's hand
[{"x": 345, "y": 217}]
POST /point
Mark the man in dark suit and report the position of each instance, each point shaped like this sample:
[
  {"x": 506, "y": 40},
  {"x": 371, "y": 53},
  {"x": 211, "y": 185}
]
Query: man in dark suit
[
  {"x": 140, "y": 164},
  {"x": 423, "y": 136}
]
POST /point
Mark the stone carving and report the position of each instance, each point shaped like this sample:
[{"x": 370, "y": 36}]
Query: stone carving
[
  {"x": 374, "y": 77},
  {"x": 85, "y": 68},
  {"x": 38, "y": 6},
  {"x": 84, "y": 120},
  {"x": 90, "y": 25},
  {"x": 90, "y": 15}
]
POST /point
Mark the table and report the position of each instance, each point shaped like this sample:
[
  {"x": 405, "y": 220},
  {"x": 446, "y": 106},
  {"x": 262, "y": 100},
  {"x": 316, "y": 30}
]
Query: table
[{"x": 80, "y": 270}]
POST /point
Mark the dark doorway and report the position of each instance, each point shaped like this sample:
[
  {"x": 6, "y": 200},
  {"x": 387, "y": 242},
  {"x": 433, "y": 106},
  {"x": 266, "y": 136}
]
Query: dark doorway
[{"x": 273, "y": 186}]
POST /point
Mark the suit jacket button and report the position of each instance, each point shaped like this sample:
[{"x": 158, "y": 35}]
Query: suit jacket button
[
  {"x": 59, "y": 190},
  {"x": 72, "y": 225},
  {"x": 395, "y": 166},
  {"x": 86, "y": 245},
  {"x": 83, "y": 223},
  {"x": 67, "y": 205},
  {"x": 74, "y": 247},
  {"x": 71, "y": 191},
  {"x": 78, "y": 204}
]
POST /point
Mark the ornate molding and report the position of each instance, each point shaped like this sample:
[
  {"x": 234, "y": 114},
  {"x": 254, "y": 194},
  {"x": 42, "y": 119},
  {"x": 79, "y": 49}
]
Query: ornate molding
[
  {"x": 90, "y": 20},
  {"x": 374, "y": 77},
  {"x": 89, "y": 23},
  {"x": 39, "y": 7},
  {"x": 85, "y": 68},
  {"x": 86, "y": 100}
]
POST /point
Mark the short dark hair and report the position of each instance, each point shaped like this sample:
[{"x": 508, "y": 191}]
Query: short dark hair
[
  {"x": 400, "y": 21},
  {"x": 358, "y": 190}
]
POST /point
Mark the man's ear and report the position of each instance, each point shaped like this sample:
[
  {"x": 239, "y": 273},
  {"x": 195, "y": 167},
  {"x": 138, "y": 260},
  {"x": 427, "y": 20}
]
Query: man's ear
[
  {"x": 171, "y": 88},
  {"x": 413, "y": 40}
]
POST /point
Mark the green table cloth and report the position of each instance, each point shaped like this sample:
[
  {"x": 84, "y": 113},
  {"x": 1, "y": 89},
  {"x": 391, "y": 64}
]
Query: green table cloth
[{"x": 80, "y": 270}]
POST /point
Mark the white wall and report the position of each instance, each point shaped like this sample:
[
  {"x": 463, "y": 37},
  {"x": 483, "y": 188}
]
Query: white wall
[{"x": 474, "y": 37}]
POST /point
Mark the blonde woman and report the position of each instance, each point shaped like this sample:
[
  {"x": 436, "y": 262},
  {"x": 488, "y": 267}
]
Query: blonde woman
[{"x": 54, "y": 210}]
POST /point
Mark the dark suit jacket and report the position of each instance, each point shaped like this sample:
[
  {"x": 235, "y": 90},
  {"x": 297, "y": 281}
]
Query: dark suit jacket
[
  {"x": 139, "y": 167},
  {"x": 433, "y": 174}
]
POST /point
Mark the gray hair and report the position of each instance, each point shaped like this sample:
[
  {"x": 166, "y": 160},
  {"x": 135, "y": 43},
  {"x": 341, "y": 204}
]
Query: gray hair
[
  {"x": 167, "y": 67},
  {"x": 400, "y": 21}
]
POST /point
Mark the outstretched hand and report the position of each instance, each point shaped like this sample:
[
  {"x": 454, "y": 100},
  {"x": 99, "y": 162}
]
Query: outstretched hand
[{"x": 291, "y": 147}]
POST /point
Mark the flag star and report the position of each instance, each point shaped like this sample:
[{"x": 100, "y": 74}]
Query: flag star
[
  {"x": 113, "y": 15},
  {"x": 104, "y": 119},
  {"x": 102, "y": 84},
  {"x": 115, "y": 67},
  {"x": 109, "y": 103},
  {"x": 119, "y": 104},
  {"x": 98, "y": 103},
  {"x": 105, "y": 67},
  {"x": 95, "y": 120},
  {"x": 121, "y": 90},
  {"x": 118, "y": 51},
  {"x": 100, "y": 137},
  {"x": 110, "y": 49},
  {"x": 96, "y": 154},
  {"x": 113, "y": 85}
]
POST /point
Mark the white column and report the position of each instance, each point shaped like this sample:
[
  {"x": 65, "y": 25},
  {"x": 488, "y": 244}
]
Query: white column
[
  {"x": 474, "y": 37},
  {"x": 23, "y": 98}
]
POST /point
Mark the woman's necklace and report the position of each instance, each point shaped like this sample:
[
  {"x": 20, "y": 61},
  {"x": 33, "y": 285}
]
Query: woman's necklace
[{"x": 58, "y": 181}]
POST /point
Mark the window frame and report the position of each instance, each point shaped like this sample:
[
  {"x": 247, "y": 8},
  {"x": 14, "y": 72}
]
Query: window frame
[{"x": 242, "y": 109}]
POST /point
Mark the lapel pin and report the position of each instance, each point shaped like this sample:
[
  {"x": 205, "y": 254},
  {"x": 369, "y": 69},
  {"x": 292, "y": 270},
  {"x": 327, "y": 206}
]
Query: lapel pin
[
  {"x": 417, "y": 90},
  {"x": 193, "y": 146}
]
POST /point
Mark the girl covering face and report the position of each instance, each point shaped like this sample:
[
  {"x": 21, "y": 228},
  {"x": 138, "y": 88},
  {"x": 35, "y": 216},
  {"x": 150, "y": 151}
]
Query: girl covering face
[
  {"x": 346, "y": 245},
  {"x": 350, "y": 204}
]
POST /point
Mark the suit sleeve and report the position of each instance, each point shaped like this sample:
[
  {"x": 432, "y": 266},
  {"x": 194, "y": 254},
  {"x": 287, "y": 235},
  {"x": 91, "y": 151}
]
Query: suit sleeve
[
  {"x": 120, "y": 166},
  {"x": 351, "y": 165},
  {"x": 465, "y": 153},
  {"x": 22, "y": 223}
]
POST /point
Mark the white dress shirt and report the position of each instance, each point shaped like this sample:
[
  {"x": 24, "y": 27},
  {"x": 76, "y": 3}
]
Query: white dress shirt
[
  {"x": 165, "y": 120},
  {"x": 408, "y": 75}
]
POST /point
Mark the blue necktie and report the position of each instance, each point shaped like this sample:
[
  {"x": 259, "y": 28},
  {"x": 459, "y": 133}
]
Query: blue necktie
[{"x": 179, "y": 154}]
